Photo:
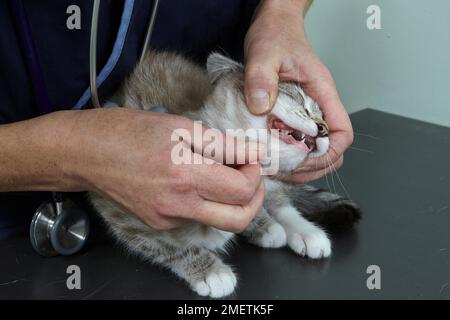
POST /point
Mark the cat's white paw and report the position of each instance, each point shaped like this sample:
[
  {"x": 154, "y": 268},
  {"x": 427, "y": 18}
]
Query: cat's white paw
[
  {"x": 273, "y": 237},
  {"x": 313, "y": 244},
  {"x": 217, "y": 283}
]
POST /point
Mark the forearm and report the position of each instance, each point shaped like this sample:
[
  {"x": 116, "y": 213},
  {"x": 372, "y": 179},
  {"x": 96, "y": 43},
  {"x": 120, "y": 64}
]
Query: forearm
[
  {"x": 33, "y": 157},
  {"x": 293, "y": 6},
  {"x": 287, "y": 13}
]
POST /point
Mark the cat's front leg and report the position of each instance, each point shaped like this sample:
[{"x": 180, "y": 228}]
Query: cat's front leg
[
  {"x": 303, "y": 237},
  {"x": 265, "y": 232},
  {"x": 205, "y": 272},
  {"x": 202, "y": 269}
]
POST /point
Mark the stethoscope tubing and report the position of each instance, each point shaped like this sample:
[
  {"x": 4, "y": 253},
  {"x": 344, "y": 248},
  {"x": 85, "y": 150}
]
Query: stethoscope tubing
[
  {"x": 37, "y": 230},
  {"x": 34, "y": 67},
  {"x": 151, "y": 26},
  {"x": 93, "y": 47},
  {"x": 93, "y": 55}
]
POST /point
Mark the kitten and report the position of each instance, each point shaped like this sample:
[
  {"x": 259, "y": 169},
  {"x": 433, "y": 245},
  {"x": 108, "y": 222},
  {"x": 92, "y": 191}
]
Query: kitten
[{"x": 215, "y": 96}]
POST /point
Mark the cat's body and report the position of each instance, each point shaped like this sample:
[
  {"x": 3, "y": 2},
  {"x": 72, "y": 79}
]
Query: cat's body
[{"x": 216, "y": 97}]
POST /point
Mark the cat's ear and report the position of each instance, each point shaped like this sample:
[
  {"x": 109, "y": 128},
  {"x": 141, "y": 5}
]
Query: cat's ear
[{"x": 219, "y": 65}]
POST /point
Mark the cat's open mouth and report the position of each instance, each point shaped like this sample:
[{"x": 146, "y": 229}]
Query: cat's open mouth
[{"x": 292, "y": 136}]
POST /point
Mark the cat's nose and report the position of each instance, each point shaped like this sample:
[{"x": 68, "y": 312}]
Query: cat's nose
[{"x": 322, "y": 129}]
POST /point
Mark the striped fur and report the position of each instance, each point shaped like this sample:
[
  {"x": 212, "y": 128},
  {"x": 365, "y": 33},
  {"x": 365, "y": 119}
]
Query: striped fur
[{"x": 291, "y": 215}]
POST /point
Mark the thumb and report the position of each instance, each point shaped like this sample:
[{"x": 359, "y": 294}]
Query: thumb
[{"x": 261, "y": 83}]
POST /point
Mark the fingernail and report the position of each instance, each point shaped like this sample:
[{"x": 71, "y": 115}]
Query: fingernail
[{"x": 259, "y": 101}]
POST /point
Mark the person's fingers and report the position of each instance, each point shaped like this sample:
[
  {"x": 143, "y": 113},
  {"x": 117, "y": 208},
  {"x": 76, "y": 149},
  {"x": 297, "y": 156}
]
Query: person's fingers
[
  {"x": 229, "y": 217},
  {"x": 220, "y": 183},
  {"x": 335, "y": 115},
  {"x": 261, "y": 80},
  {"x": 324, "y": 93},
  {"x": 334, "y": 153},
  {"x": 236, "y": 151},
  {"x": 308, "y": 176},
  {"x": 213, "y": 145}
]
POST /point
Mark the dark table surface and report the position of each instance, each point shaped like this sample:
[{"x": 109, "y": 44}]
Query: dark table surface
[{"x": 398, "y": 171}]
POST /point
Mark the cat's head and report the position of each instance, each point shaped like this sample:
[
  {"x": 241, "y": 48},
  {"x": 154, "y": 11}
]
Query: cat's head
[{"x": 296, "y": 117}]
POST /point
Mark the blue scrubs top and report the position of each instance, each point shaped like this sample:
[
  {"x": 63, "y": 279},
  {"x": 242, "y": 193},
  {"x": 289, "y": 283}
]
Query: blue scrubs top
[{"x": 193, "y": 28}]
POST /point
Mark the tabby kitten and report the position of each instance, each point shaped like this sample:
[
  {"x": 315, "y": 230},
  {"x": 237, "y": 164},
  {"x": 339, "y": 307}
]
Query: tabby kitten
[{"x": 216, "y": 97}]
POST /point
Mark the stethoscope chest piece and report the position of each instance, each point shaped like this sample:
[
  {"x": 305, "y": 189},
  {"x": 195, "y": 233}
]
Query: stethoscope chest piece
[{"x": 64, "y": 232}]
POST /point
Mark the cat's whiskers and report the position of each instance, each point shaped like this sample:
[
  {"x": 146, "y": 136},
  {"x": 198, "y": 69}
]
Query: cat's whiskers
[
  {"x": 339, "y": 178},
  {"x": 326, "y": 176},
  {"x": 329, "y": 165},
  {"x": 366, "y": 135},
  {"x": 362, "y": 150}
]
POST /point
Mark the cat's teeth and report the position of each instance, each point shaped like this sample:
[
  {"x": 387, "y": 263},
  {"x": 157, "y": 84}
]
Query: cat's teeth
[
  {"x": 299, "y": 136},
  {"x": 284, "y": 132}
]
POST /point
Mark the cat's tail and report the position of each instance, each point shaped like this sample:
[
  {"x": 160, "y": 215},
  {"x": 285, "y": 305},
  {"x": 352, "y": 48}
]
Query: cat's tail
[{"x": 324, "y": 208}]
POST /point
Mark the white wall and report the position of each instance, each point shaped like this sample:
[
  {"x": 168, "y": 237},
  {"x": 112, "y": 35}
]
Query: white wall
[{"x": 404, "y": 68}]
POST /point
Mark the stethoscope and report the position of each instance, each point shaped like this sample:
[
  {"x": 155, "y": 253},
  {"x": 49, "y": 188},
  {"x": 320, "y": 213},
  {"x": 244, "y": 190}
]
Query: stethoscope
[{"x": 59, "y": 226}]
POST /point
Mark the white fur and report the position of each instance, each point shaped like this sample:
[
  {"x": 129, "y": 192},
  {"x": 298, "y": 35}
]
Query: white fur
[
  {"x": 303, "y": 236},
  {"x": 213, "y": 239},
  {"x": 273, "y": 237},
  {"x": 234, "y": 113},
  {"x": 165, "y": 79},
  {"x": 322, "y": 145},
  {"x": 217, "y": 284},
  {"x": 288, "y": 110}
]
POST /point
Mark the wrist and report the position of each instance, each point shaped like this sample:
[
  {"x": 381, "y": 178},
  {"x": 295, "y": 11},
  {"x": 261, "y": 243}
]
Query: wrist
[
  {"x": 277, "y": 16},
  {"x": 293, "y": 8},
  {"x": 76, "y": 148},
  {"x": 56, "y": 133},
  {"x": 92, "y": 144}
]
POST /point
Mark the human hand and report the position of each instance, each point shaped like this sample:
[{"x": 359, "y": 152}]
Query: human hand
[
  {"x": 276, "y": 48},
  {"x": 125, "y": 155}
]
